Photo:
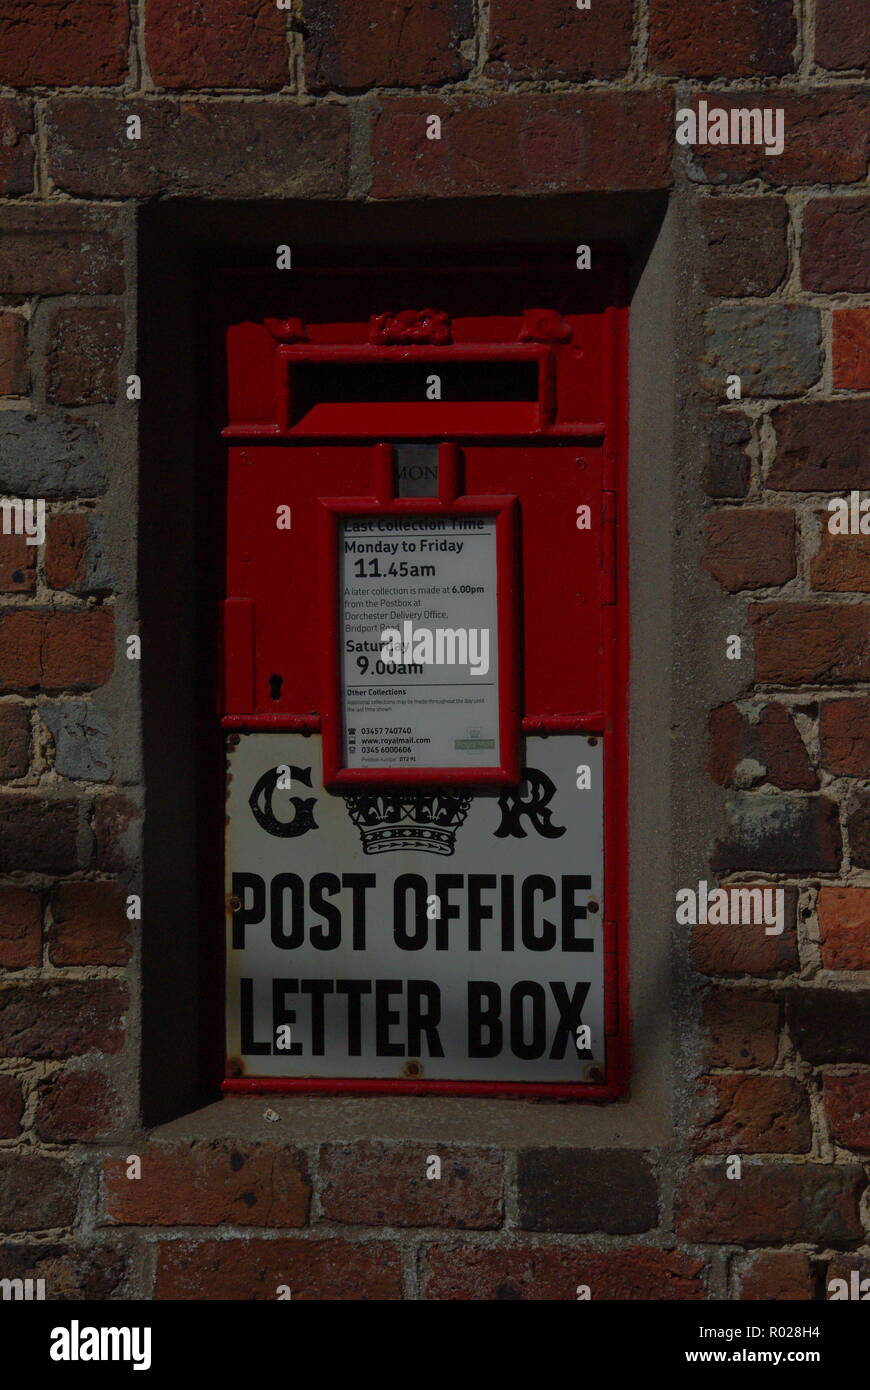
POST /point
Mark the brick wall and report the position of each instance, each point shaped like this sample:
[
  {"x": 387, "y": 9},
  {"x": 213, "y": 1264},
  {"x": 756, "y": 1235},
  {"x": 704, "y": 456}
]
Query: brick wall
[{"x": 327, "y": 100}]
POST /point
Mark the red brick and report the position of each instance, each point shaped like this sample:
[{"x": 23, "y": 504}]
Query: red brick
[
  {"x": 842, "y": 39},
  {"x": 395, "y": 43},
  {"x": 750, "y": 547},
  {"x": 536, "y": 143},
  {"x": 378, "y": 1184},
  {"x": 76, "y": 1106},
  {"x": 552, "y": 39},
  {"x": 756, "y": 744},
  {"x": 553, "y": 1273},
  {"x": 844, "y": 927},
  {"x": 835, "y": 250},
  {"x": 845, "y": 736},
  {"x": 14, "y": 739},
  {"x": 821, "y": 446},
  {"x": 20, "y": 928},
  {"x": 852, "y": 349},
  {"x": 211, "y": 1185},
  {"x": 70, "y": 1271},
  {"x": 35, "y": 1193},
  {"x": 11, "y": 1107},
  {"x": 114, "y": 826},
  {"x": 203, "y": 149},
  {"x": 16, "y": 142},
  {"x": 55, "y": 44},
  {"x": 59, "y": 249},
  {"x": 764, "y": 832},
  {"x": 777, "y": 348},
  {"x": 747, "y": 244},
  {"x": 753, "y": 1114},
  {"x": 726, "y": 949},
  {"x": 826, "y": 138},
  {"x": 742, "y": 1029},
  {"x": 847, "y": 1106},
  {"x": 829, "y": 1026},
  {"x": 811, "y": 643},
  {"x": 727, "y": 439},
  {"x": 58, "y": 650},
  {"x": 62, "y": 1020},
  {"x": 253, "y": 1270},
  {"x": 38, "y": 834},
  {"x": 722, "y": 38},
  {"x": 858, "y": 826},
  {"x": 842, "y": 562},
  {"x": 772, "y": 1202},
  {"x": 845, "y": 1267},
  {"x": 14, "y": 375},
  {"x": 66, "y": 543},
  {"x": 585, "y": 1190},
  {"x": 775, "y": 1275},
  {"x": 84, "y": 346},
  {"x": 216, "y": 44},
  {"x": 89, "y": 926},
  {"x": 17, "y": 565}
]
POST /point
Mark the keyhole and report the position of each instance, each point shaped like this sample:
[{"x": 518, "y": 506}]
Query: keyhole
[{"x": 275, "y": 683}]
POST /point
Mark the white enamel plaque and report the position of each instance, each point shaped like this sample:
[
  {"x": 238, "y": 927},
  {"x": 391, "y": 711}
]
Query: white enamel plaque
[{"x": 440, "y": 935}]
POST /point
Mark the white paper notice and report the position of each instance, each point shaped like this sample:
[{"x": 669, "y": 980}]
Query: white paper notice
[{"x": 419, "y": 642}]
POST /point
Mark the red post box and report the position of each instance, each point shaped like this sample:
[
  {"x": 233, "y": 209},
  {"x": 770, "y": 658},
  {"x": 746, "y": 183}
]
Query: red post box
[{"x": 424, "y": 672}]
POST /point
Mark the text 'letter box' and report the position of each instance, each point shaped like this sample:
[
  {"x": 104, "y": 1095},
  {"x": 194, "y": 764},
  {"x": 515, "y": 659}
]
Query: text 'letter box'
[{"x": 424, "y": 662}]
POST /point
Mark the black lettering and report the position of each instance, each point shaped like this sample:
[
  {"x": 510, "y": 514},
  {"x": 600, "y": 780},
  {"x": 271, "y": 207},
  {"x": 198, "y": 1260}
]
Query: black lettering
[
  {"x": 570, "y": 1017},
  {"x": 424, "y": 1019},
  {"x": 528, "y": 989},
  {"x": 385, "y": 1017},
  {"x": 287, "y": 941},
  {"x": 318, "y": 989},
  {"x": 537, "y": 883},
  {"x": 478, "y": 912},
  {"x": 484, "y": 1010},
  {"x": 354, "y": 989},
  {"x": 282, "y": 1016},
  {"x": 358, "y": 885},
  {"x": 246, "y": 1017},
  {"x": 507, "y": 912},
  {"x": 572, "y": 912},
  {"x": 405, "y": 940},
  {"x": 246, "y": 916},
  {"x": 447, "y": 911},
  {"x": 325, "y": 938}
]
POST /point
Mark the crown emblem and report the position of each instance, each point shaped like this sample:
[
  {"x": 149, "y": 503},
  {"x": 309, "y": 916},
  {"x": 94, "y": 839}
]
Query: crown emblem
[
  {"x": 414, "y": 821},
  {"x": 410, "y": 326}
]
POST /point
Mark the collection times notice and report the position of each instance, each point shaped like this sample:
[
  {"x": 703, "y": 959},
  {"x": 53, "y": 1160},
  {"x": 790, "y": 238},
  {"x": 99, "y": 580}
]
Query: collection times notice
[{"x": 419, "y": 642}]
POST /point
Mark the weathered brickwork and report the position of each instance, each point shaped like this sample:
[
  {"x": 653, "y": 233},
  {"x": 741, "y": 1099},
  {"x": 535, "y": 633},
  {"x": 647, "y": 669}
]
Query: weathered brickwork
[{"x": 328, "y": 100}]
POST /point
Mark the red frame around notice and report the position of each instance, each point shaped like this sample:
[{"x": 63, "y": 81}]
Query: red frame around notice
[{"x": 503, "y": 508}]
